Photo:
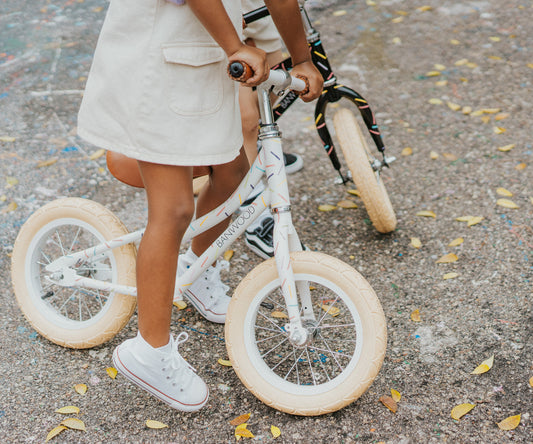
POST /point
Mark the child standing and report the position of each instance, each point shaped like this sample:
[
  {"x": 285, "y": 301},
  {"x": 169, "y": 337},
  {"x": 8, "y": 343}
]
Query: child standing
[{"x": 158, "y": 92}]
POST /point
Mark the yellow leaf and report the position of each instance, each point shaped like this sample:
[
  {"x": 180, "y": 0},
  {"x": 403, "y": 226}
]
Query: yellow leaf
[
  {"x": 228, "y": 254},
  {"x": 68, "y": 410},
  {"x": 275, "y": 431},
  {"x": 501, "y": 116},
  {"x": 503, "y": 192},
  {"x": 460, "y": 410},
  {"x": 80, "y": 388},
  {"x": 433, "y": 73},
  {"x": 484, "y": 367},
  {"x": 477, "y": 113},
  {"x": 11, "y": 181},
  {"x": 426, "y": 213},
  {"x": 485, "y": 119},
  {"x": 224, "y": 362},
  {"x": 439, "y": 67},
  {"x": 240, "y": 419},
  {"x": 456, "y": 242},
  {"x": 407, "y": 151},
  {"x": 11, "y": 207},
  {"x": 396, "y": 395},
  {"x": 415, "y": 316},
  {"x": 471, "y": 65},
  {"x": 509, "y": 423},
  {"x": 506, "y": 203},
  {"x": 347, "y": 204},
  {"x": 474, "y": 220},
  {"x": 331, "y": 310},
  {"x": 447, "y": 259},
  {"x": 464, "y": 218},
  {"x": 48, "y": 162},
  {"x": 73, "y": 423},
  {"x": 397, "y": 40},
  {"x": 434, "y": 155},
  {"x": 435, "y": 101},
  {"x": 449, "y": 156},
  {"x": 415, "y": 242},
  {"x": 244, "y": 433},
  {"x": 531, "y": 381},
  {"x": 279, "y": 315},
  {"x": 397, "y": 20},
  {"x": 453, "y": 106},
  {"x": 339, "y": 13},
  {"x": 390, "y": 403},
  {"x": 506, "y": 148},
  {"x": 112, "y": 372},
  {"x": 326, "y": 207},
  {"x": 7, "y": 139},
  {"x": 461, "y": 62},
  {"x": 54, "y": 432},
  {"x": 353, "y": 192},
  {"x": 441, "y": 82},
  {"x": 455, "y": 42},
  {"x": 520, "y": 166},
  {"x": 424, "y": 8},
  {"x": 495, "y": 38},
  {"x": 97, "y": 154},
  {"x": 153, "y": 424},
  {"x": 466, "y": 110},
  {"x": 452, "y": 275},
  {"x": 180, "y": 303},
  {"x": 491, "y": 110},
  {"x": 498, "y": 130}
]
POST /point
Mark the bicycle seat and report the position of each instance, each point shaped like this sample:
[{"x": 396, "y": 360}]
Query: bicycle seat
[{"x": 126, "y": 170}]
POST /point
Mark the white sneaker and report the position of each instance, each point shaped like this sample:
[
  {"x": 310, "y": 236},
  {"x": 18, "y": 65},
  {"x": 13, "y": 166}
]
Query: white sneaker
[
  {"x": 162, "y": 372},
  {"x": 207, "y": 293}
]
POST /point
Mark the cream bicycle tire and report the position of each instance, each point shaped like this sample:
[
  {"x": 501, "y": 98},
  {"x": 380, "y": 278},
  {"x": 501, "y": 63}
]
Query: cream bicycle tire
[
  {"x": 357, "y": 156},
  {"x": 51, "y": 229},
  {"x": 244, "y": 337}
]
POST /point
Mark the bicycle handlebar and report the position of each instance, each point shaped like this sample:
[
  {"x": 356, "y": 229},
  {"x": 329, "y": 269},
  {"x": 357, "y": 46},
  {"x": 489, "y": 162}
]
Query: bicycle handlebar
[{"x": 241, "y": 72}]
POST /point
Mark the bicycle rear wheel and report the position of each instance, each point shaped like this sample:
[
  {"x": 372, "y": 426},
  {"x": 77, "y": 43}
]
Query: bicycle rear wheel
[
  {"x": 71, "y": 316},
  {"x": 368, "y": 182},
  {"x": 347, "y": 339}
]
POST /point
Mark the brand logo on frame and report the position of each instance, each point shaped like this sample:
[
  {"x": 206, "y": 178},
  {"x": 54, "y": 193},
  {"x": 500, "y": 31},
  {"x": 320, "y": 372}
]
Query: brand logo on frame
[{"x": 235, "y": 225}]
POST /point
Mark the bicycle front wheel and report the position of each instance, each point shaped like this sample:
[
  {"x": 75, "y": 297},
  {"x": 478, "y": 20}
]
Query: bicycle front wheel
[
  {"x": 72, "y": 316},
  {"x": 369, "y": 184},
  {"x": 347, "y": 338}
]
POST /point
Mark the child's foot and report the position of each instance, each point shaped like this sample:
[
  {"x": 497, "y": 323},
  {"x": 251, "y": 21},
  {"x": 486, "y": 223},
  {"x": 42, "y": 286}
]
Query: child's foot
[
  {"x": 162, "y": 372},
  {"x": 208, "y": 293}
]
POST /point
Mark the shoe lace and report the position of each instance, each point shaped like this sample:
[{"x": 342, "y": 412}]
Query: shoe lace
[
  {"x": 216, "y": 287},
  {"x": 177, "y": 368}
]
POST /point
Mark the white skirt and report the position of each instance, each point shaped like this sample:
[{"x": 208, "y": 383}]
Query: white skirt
[{"x": 158, "y": 89}]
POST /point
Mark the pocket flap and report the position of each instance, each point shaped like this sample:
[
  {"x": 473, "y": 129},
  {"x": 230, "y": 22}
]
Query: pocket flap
[{"x": 192, "y": 55}]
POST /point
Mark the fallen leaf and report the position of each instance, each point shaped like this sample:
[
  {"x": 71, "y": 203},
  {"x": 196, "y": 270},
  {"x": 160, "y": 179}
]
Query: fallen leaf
[
  {"x": 11, "y": 181},
  {"x": 506, "y": 148},
  {"x": 484, "y": 367},
  {"x": 112, "y": 372},
  {"x": 531, "y": 381},
  {"x": 228, "y": 254},
  {"x": 498, "y": 130},
  {"x": 415, "y": 316},
  {"x": 153, "y": 424},
  {"x": 390, "y": 403},
  {"x": 435, "y": 101},
  {"x": 466, "y": 110},
  {"x": 426, "y": 213},
  {"x": 503, "y": 192},
  {"x": 441, "y": 82},
  {"x": 74, "y": 423},
  {"x": 339, "y": 13},
  {"x": 453, "y": 106},
  {"x": 12, "y": 206},
  {"x": 509, "y": 423},
  {"x": 54, "y": 432},
  {"x": 461, "y": 62},
  {"x": 452, "y": 275},
  {"x": 7, "y": 139},
  {"x": 520, "y": 166},
  {"x": 424, "y": 8},
  {"x": 464, "y": 218},
  {"x": 474, "y": 220},
  {"x": 485, "y": 119},
  {"x": 456, "y": 242},
  {"x": 460, "y": 410},
  {"x": 243, "y": 432},
  {"x": 331, "y": 310},
  {"x": 447, "y": 259},
  {"x": 439, "y": 67},
  {"x": 396, "y": 395},
  {"x": 434, "y": 155},
  {"x": 506, "y": 203},
  {"x": 415, "y": 242},
  {"x": 491, "y": 110},
  {"x": 449, "y": 156},
  {"x": 180, "y": 303},
  {"x": 275, "y": 431},
  {"x": 347, "y": 204},
  {"x": 80, "y": 388},
  {"x": 407, "y": 151},
  {"x": 455, "y": 42},
  {"x": 501, "y": 116},
  {"x": 279, "y": 315},
  {"x": 353, "y": 192},
  {"x": 433, "y": 73},
  {"x": 240, "y": 419},
  {"x": 68, "y": 410},
  {"x": 326, "y": 207},
  {"x": 48, "y": 162},
  {"x": 224, "y": 362}
]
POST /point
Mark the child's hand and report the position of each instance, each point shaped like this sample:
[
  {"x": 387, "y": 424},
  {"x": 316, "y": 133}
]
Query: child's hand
[
  {"x": 256, "y": 59},
  {"x": 309, "y": 71}
]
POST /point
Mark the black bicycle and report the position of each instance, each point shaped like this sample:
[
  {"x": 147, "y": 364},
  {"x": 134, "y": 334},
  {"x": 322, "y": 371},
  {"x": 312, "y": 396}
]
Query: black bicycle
[{"x": 364, "y": 168}]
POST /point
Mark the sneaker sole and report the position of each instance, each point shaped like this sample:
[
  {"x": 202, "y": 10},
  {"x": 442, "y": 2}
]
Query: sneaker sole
[
  {"x": 153, "y": 391},
  {"x": 210, "y": 316},
  {"x": 295, "y": 167}
]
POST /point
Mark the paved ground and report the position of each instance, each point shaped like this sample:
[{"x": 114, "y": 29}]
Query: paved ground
[{"x": 390, "y": 51}]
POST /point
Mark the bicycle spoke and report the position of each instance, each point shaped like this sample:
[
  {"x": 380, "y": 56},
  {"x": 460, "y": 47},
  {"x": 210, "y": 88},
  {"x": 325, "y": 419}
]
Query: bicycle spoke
[
  {"x": 275, "y": 347},
  {"x": 74, "y": 240}
]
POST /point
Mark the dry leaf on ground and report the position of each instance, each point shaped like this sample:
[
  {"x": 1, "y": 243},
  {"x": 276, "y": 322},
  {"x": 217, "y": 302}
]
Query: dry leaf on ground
[
  {"x": 484, "y": 367},
  {"x": 275, "y": 431},
  {"x": 456, "y": 242},
  {"x": 153, "y": 424},
  {"x": 326, "y": 207},
  {"x": 509, "y": 423},
  {"x": 447, "y": 259},
  {"x": 503, "y": 192},
  {"x": 452, "y": 275},
  {"x": 228, "y": 254},
  {"x": 112, "y": 372},
  {"x": 396, "y": 395},
  {"x": 97, "y": 154},
  {"x": 73, "y": 423},
  {"x": 460, "y": 410},
  {"x": 506, "y": 203},
  {"x": 426, "y": 213},
  {"x": 390, "y": 403},
  {"x": 80, "y": 388},
  {"x": 415, "y": 316},
  {"x": 415, "y": 242},
  {"x": 224, "y": 362},
  {"x": 68, "y": 410},
  {"x": 347, "y": 204},
  {"x": 180, "y": 303},
  {"x": 54, "y": 432},
  {"x": 331, "y": 310},
  {"x": 241, "y": 419},
  {"x": 279, "y": 315},
  {"x": 506, "y": 148}
]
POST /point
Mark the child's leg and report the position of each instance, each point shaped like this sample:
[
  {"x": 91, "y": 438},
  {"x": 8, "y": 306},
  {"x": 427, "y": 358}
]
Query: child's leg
[
  {"x": 224, "y": 179},
  {"x": 170, "y": 209}
]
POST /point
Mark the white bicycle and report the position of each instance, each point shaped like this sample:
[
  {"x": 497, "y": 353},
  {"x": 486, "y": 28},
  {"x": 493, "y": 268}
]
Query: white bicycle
[{"x": 304, "y": 331}]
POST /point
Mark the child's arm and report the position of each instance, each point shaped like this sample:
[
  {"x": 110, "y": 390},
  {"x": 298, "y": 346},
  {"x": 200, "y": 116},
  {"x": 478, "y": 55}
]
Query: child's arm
[
  {"x": 216, "y": 21},
  {"x": 287, "y": 18}
]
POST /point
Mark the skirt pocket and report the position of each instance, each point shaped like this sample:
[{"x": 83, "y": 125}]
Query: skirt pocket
[{"x": 193, "y": 77}]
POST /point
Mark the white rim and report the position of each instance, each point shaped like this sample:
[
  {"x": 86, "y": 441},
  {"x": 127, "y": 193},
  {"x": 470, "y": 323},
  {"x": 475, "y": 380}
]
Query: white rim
[{"x": 34, "y": 278}]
